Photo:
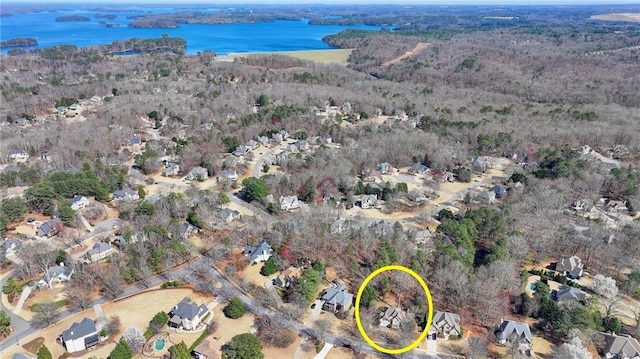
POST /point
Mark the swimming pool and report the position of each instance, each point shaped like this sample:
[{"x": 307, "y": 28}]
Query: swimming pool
[
  {"x": 159, "y": 344},
  {"x": 533, "y": 286}
]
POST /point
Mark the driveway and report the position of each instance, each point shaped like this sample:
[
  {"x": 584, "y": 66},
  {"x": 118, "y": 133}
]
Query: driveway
[{"x": 315, "y": 312}]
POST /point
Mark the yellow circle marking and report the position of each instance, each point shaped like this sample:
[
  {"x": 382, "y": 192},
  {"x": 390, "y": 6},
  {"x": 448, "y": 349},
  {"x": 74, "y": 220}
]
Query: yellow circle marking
[{"x": 429, "y": 315}]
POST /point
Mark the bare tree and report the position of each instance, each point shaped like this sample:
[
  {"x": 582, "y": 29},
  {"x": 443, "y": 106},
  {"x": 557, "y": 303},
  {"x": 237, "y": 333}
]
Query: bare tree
[
  {"x": 134, "y": 337},
  {"x": 321, "y": 327},
  {"x": 46, "y": 314}
]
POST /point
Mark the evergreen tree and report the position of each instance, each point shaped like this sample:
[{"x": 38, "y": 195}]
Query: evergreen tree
[
  {"x": 44, "y": 353},
  {"x": 121, "y": 351}
]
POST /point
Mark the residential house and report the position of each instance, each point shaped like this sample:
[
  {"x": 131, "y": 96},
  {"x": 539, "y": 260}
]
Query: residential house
[
  {"x": 442, "y": 176},
  {"x": 252, "y": 144},
  {"x": 515, "y": 333},
  {"x": 171, "y": 170},
  {"x": 567, "y": 294},
  {"x": 79, "y": 202},
  {"x": 285, "y": 279},
  {"x": 368, "y": 201},
  {"x": 197, "y": 174},
  {"x": 572, "y": 267},
  {"x": 381, "y": 229},
  {"x": 99, "y": 251},
  {"x": 616, "y": 206},
  {"x": 292, "y": 148},
  {"x": 422, "y": 236},
  {"x": 302, "y": 145},
  {"x": 620, "y": 346},
  {"x": 337, "y": 298},
  {"x": 394, "y": 317},
  {"x": 386, "y": 168},
  {"x": 285, "y": 135},
  {"x": 500, "y": 191},
  {"x": 207, "y": 349},
  {"x": 80, "y": 336},
  {"x": 418, "y": 169},
  {"x": 228, "y": 215},
  {"x": 479, "y": 164},
  {"x": 19, "y": 155},
  {"x": 263, "y": 140},
  {"x": 187, "y": 230},
  {"x": 60, "y": 273},
  {"x": 9, "y": 246},
  {"x": 260, "y": 253},
  {"x": 586, "y": 150},
  {"x": 227, "y": 176},
  {"x": 135, "y": 141},
  {"x": 417, "y": 196},
  {"x": 488, "y": 197},
  {"x": 187, "y": 315},
  {"x": 445, "y": 324},
  {"x": 50, "y": 227},
  {"x": 276, "y": 138},
  {"x": 125, "y": 194},
  {"x": 340, "y": 226},
  {"x": 374, "y": 176},
  {"x": 241, "y": 150},
  {"x": 289, "y": 202}
]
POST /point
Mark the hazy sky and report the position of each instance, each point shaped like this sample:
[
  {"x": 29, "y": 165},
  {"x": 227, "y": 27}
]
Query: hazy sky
[{"x": 360, "y": 2}]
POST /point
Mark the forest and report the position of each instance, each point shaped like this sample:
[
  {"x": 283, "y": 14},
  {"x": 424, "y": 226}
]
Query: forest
[{"x": 536, "y": 91}]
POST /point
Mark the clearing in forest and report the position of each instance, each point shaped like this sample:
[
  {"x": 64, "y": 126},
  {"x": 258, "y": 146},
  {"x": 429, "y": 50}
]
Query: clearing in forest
[{"x": 421, "y": 46}]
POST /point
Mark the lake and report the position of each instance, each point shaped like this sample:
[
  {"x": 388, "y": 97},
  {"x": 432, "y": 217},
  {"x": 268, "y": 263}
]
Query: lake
[{"x": 222, "y": 39}]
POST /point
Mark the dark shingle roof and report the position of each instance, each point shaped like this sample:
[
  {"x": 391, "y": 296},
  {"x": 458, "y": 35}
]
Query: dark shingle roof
[
  {"x": 188, "y": 310},
  {"x": 79, "y": 330}
]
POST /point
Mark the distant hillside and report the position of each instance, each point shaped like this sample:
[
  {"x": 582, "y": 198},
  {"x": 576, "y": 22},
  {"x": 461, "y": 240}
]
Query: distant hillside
[{"x": 72, "y": 18}]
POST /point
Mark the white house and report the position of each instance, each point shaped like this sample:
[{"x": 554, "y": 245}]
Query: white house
[
  {"x": 19, "y": 155},
  {"x": 227, "y": 176},
  {"x": 187, "y": 315},
  {"x": 80, "y": 336},
  {"x": 260, "y": 253},
  {"x": 289, "y": 202},
  {"x": 79, "y": 202},
  {"x": 58, "y": 274}
]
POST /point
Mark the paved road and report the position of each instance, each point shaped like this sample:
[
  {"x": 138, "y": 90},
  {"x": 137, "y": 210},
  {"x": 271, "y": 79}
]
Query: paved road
[
  {"x": 258, "y": 212},
  {"x": 25, "y": 329}
]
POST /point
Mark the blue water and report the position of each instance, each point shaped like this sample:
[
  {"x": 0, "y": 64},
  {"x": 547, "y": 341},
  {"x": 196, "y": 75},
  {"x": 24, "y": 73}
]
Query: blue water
[
  {"x": 533, "y": 286},
  {"x": 159, "y": 344},
  {"x": 222, "y": 39}
]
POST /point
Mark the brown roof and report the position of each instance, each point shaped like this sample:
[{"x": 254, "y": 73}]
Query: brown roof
[{"x": 207, "y": 348}]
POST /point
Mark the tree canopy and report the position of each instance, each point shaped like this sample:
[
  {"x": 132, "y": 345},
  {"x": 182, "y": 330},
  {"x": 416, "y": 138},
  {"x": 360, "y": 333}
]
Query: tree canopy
[{"x": 243, "y": 346}]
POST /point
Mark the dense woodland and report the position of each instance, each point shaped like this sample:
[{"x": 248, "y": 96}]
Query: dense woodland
[{"x": 502, "y": 91}]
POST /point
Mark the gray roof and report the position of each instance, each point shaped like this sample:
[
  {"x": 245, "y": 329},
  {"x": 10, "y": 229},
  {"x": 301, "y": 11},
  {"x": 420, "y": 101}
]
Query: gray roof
[
  {"x": 188, "y": 310},
  {"x": 98, "y": 248},
  {"x": 449, "y": 322},
  {"x": 49, "y": 225},
  {"x": 338, "y": 294},
  {"x": 121, "y": 193},
  {"x": 20, "y": 356},
  {"x": 568, "y": 293},
  {"x": 59, "y": 270},
  {"x": 623, "y": 345},
  {"x": 79, "y": 330},
  {"x": 572, "y": 265},
  {"x": 254, "y": 252},
  {"x": 510, "y": 329},
  {"x": 76, "y": 198},
  {"x": 226, "y": 212}
]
